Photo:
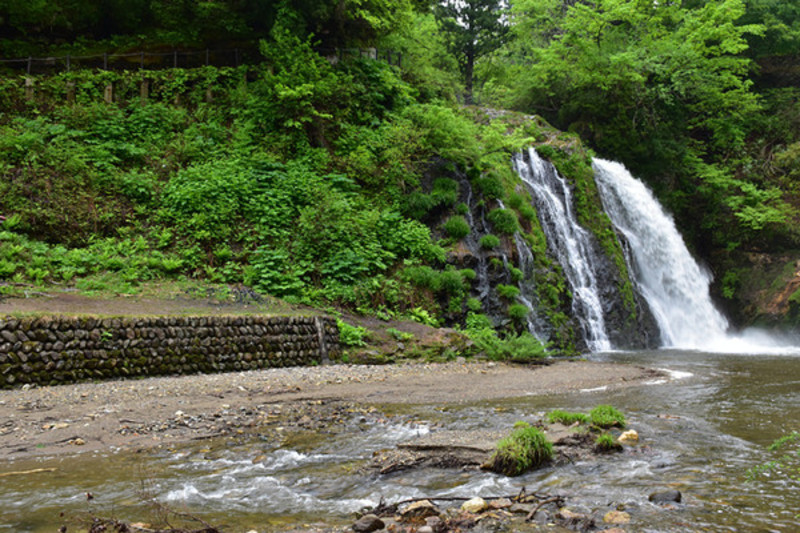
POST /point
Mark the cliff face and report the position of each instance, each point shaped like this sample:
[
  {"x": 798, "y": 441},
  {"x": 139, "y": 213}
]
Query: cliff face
[
  {"x": 514, "y": 247},
  {"x": 762, "y": 290}
]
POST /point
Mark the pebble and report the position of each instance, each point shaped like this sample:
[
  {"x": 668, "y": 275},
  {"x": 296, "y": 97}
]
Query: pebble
[
  {"x": 629, "y": 436},
  {"x": 475, "y": 505},
  {"x": 616, "y": 517}
]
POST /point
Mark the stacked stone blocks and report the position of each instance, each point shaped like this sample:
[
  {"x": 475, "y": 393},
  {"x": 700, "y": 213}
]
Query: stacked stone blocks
[{"x": 50, "y": 350}]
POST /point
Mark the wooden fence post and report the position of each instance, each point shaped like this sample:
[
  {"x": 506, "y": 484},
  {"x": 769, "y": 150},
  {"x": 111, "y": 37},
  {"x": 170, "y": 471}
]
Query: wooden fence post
[
  {"x": 108, "y": 93},
  {"x": 144, "y": 91},
  {"x": 28, "y": 88},
  {"x": 71, "y": 92}
]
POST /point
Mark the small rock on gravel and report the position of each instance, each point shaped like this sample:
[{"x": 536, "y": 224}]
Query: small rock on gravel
[{"x": 368, "y": 523}]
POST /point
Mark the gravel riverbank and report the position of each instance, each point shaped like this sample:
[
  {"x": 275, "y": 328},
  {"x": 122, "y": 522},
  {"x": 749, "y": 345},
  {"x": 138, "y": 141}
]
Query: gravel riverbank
[{"x": 64, "y": 420}]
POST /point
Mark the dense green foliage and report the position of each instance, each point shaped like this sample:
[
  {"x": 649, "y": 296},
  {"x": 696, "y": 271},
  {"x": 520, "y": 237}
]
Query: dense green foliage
[{"x": 354, "y": 183}]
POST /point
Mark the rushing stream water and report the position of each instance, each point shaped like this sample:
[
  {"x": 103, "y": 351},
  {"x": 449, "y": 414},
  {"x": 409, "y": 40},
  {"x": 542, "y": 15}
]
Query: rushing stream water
[{"x": 701, "y": 431}]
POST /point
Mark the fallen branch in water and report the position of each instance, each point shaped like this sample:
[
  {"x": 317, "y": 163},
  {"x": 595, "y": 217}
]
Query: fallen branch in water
[
  {"x": 382, "y": 509},
  {"x": 559, "y": 500},
  {"x": 100, "y": 525},
  {"x": 26, "y": 472}
]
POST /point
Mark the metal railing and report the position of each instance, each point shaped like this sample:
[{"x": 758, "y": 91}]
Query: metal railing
[{"x": 233, "y": 57}]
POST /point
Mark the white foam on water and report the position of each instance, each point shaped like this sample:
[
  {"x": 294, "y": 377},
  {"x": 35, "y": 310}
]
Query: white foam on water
[{"x": 596, "y": 389}]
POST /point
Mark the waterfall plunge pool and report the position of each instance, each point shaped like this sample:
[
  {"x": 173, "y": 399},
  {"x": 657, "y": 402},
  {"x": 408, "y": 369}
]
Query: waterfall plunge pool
[{"x": 701, "y": 432}]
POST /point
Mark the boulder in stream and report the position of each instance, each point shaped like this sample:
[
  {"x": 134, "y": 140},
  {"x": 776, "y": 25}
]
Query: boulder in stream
[{"x": 667, "y": 496}]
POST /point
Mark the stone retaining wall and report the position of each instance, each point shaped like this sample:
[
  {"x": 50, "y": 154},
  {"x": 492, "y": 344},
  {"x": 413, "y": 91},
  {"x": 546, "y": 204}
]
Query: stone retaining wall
[{"x": 51, "y": 350}]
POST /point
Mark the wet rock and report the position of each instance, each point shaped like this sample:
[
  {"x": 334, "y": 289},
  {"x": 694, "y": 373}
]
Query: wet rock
[
  {"x": 574, "y": 520},
  {"x": 436, "y": 524},
  {"x": 667, "y": 496},
  {"x": 475, "y": 505},
  {"x": 616, "y": 517},
  {"x": 419, "y": 510},
  {"x": 425, "y": 529},
  {"x": 501, "y": 503},
  {"x": 521, "y": 508},
  {"x": 629, "y": 437},
  {"x": 568, "y": 514},
  {"x": 368, "y": 523}
]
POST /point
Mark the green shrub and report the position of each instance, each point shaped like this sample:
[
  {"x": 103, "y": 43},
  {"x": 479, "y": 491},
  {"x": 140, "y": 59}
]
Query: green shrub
[
  {"x": 504, "y": 221},
  {"x": 398, "y": 335},
  {"x": 528, "y": 212},
  {"x": 7, "y": 269},
  {"x": 462, "y": 209},
  {"x": 516, "y": 274},
  {"x": 490, "y": 188},
  {"x": 421, "y": 276},
  {"x": 516, "y": 200},
  {"x": 517, "y": 312},
  {"x": 526, "y": 448},
  {"x": 605, "y": 443},
  {"x": 508, "y": 292},
  {"x": 351, "y": 335},
  {"x": 457, "y": 227},
  {"x": 417, "y": 204},
  {"x": 489, "y": 241},
  {"x": 474, "y": 305},
  {"x": 520, "y": 348},
  {"x": 445, "y": 192},
  {"x": 566, "y": 418},
  {"x": 606, "y": 416},
  {"x": 418, "y": 314},
  {"x": 468, "y": 274},
  {"x": 451, "y": 282}
]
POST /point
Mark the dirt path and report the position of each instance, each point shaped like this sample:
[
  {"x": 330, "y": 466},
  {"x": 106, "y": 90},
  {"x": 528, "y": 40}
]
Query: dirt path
[{"x": 161, "y": 411}]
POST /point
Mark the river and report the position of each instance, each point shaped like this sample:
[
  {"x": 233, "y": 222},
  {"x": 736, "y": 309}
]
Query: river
[{"x": 701, "y": 431}]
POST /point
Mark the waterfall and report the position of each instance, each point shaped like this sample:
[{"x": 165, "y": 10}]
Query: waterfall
[
  {"x": 673, "y": 284},
  {"x": 526, "y": 285},
  {"x": 568, "y": 241}
]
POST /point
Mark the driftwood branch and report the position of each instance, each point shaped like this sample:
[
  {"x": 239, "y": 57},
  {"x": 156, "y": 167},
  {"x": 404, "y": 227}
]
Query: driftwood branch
[
  {"x": 382, "y": 509},
  {"x": 26, "y": 472},
  {"x": 554, "y": 499}
]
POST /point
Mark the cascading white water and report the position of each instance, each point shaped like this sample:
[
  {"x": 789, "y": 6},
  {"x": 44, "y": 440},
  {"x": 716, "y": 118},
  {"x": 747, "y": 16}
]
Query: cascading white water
[
  {"x": 569, "y": 241},
  {"x": 526, "y": 284},
  {"x": 673, "y": 284}
]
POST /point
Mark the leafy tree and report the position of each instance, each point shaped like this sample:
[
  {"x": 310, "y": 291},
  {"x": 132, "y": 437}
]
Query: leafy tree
[
  {"x": 660, "y": 86},
  {"x": 782, "y": 24},
  {"x": 473, "y": 28}
]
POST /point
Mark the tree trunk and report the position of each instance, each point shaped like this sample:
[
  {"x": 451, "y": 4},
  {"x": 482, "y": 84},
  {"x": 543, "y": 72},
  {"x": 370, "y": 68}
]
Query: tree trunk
[{"x": 469, "y": 69}]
